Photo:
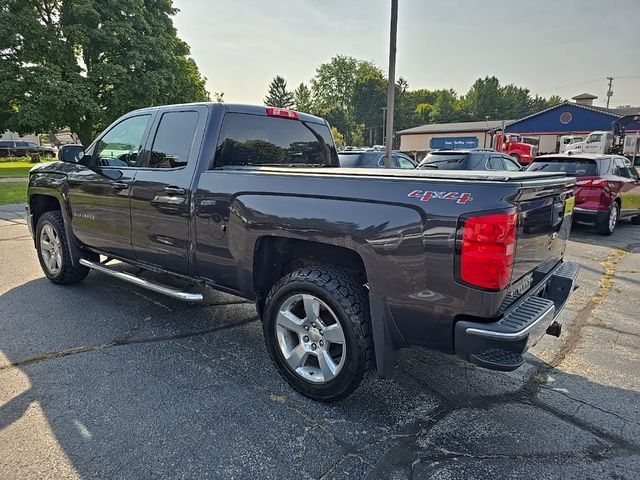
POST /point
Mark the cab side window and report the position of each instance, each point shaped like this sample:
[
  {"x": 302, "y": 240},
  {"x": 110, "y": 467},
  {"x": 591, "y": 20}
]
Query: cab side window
[
  {"x": 620, "y": 169},
  {"x": 173, "y": 140},
  {"x": 495, "y": 163},
  {"x": 405, "y": 162},
  {"x": 510, "y": 165},
  {"x": 121, "y": 145}
]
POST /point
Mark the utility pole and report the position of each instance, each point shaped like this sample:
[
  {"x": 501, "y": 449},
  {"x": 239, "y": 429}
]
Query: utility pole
[
  {"x": 391, "y": 88},
  {"x": 384, "y": 119},
  {"x": 609, "y": 92}
]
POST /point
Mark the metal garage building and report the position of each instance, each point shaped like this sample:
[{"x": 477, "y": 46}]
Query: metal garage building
[
  {"x": 581, "y": 117},
  {"x": 543, "y": 128},
  {"x": 449, "y": 135}
]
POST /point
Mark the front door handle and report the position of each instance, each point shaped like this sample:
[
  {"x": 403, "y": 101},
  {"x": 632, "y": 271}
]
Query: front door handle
[
  {"x": 119, "y": 185},
  {"x": 171, "y": 190}
]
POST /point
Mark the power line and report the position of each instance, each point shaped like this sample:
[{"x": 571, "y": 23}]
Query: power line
[{"x": 585, "y": 82}]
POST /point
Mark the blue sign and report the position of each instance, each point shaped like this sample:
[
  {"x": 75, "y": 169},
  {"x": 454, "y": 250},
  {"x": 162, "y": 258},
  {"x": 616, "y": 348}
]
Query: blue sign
[{"x": 452, "y": 143}]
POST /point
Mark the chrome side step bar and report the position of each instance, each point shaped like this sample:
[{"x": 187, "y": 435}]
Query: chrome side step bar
[{"x": 141, "y": 282}]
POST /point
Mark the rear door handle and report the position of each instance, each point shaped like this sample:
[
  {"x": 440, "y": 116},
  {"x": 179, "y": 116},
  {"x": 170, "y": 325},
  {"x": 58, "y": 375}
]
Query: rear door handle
[
  {"x": 119, "y": 185},
  {"x": 171, "y": 190}
]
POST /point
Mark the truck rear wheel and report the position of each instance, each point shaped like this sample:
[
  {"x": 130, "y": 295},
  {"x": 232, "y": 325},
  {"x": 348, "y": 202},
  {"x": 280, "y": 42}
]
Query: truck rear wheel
[
  {"x": 317, "y": 331},
  {"x": 53, "y": 250}
]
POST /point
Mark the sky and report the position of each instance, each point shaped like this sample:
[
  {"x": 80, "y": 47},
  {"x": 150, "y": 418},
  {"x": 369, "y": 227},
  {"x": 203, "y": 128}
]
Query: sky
[{"x": 563, "y": 47}]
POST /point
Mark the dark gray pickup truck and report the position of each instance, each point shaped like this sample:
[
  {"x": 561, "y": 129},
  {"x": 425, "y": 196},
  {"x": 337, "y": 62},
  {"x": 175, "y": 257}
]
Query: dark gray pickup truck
[{"x": 346, "y": 266}]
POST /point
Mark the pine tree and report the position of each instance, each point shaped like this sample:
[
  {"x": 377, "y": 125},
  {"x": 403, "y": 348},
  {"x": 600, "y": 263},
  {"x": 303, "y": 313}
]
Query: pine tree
[
  {"x": 278, "y": 95},
  {"x": 302, "y": 99}
]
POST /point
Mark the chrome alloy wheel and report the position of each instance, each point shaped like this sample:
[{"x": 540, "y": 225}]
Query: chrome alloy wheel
[
  {"x": 613, "y": 217},
  {"x": 310, "y": 338},
  {"x": 51, "y": 249}
]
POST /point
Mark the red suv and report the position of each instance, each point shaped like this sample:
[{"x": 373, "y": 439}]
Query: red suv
[{"x": 607, "y": 187}]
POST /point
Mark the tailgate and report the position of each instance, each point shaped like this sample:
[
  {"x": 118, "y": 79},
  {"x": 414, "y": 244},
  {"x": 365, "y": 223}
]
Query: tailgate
[{"x": 545, "y": 214}]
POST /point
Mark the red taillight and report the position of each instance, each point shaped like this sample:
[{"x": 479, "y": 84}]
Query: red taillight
[
  {"x": 597, "y": 182},
  {"x": 488, "y": 249},
  {"x": 282, "y": 112}
]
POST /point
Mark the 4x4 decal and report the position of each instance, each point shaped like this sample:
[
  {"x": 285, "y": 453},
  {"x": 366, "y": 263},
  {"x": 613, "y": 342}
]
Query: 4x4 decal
[{"x": 425, "y": 196}]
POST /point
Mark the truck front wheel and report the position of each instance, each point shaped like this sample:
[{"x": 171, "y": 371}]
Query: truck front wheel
[
  {"x": 317, "y": 331},
  {"x": 53, "y": 250}
]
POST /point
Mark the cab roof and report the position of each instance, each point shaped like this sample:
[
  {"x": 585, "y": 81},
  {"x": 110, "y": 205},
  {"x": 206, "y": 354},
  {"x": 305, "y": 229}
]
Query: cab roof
[{"x": 236, "y": 108}]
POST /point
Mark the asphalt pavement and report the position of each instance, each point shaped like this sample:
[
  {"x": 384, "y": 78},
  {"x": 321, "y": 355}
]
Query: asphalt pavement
[{"x": 106, "y": 380}]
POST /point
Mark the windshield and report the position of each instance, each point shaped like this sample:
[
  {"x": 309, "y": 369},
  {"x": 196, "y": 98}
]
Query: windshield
[{"x": 575, "y": 167}]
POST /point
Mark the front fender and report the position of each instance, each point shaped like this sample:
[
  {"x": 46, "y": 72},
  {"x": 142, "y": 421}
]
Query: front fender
[{"x": 54, "y": 185}]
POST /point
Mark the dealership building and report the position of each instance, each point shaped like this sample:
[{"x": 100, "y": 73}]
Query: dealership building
[{"x": 543, "y": 128}]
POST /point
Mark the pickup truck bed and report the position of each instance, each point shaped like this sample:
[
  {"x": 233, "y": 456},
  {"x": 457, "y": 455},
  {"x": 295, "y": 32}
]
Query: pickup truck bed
[{"x": 346, "y": 266}]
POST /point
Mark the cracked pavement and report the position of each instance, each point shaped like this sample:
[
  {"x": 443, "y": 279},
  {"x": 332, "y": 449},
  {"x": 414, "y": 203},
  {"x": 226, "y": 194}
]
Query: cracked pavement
[{"x": 103, "y": 379}]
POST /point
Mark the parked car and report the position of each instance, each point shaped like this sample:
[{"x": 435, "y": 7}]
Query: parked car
[
  {"x": 373, "y": 158},
  {"x": 607, "y": 187},
  {"x": 20, "y": 148},
  {"x": 472, "y": 159},
  {"x": 346, "y": 266}
]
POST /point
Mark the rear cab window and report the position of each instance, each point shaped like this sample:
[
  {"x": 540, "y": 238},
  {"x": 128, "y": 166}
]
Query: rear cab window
[
  {"x": 573, "y": 166},
  {"x": 248, "y": 140}
]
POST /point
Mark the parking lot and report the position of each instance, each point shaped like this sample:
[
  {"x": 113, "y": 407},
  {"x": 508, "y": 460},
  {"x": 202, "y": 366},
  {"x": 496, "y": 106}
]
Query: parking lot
[{"x": 103, "y": 379}]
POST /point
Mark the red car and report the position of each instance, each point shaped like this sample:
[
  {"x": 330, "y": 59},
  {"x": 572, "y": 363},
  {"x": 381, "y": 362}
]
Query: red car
[{"x": 607, "y": 187}]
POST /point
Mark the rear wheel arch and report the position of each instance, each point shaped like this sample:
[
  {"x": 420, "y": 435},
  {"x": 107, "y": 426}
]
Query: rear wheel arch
[{"x": 274, "y": 257}]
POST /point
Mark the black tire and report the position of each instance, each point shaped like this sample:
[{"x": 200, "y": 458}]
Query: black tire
[
  {"x": 605, "y": 226},
  {"x": 516, "y": 157},
  {"x": 350, "y": 304},
  {"x": 67, "y": 272}
]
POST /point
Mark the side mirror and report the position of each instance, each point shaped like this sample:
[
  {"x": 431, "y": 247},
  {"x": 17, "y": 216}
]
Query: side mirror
[
  {"x": 71, "y": 153},
  {"x": 85, "y": 160}
]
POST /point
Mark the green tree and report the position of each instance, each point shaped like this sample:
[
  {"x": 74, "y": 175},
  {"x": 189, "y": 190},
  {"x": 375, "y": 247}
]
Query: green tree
[
  {"x": 337, "y": 118},
  {"x": 554, "y": 100},
  {"x": 516, "y": 102},
  {"x": 484, "y": 99},
  {"x": 334, "y": 89},
  {"x": 444, "y": 108},
  {"x": 334, "y": 82},
  {"x": 82, "y": 64},
  {"x": 303, "y": 99},
  {"x": 369, "y": 97},
  {"x": 338, "y": 138},
  {"x": 278, "y": 95}
]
